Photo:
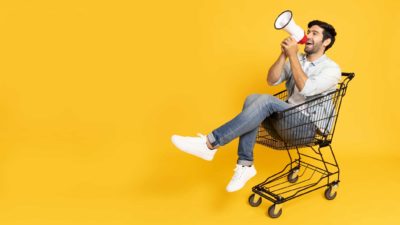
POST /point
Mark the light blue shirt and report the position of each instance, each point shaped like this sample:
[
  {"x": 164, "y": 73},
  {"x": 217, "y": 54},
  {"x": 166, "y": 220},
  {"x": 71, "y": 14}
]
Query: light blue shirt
[{"x": 323, "y": 76}]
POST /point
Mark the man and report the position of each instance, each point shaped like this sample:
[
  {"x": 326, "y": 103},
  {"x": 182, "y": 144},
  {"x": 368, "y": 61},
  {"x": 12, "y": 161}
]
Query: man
[{"x": 306, "y": 75}]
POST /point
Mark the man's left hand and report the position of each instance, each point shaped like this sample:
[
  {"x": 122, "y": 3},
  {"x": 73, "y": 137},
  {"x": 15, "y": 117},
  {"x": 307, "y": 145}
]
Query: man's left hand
[{"x": 290, "y": 46}]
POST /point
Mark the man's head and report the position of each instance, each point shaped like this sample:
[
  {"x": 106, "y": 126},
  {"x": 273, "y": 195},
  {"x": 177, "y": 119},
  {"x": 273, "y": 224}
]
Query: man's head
[{"x": 320, "y": 37}]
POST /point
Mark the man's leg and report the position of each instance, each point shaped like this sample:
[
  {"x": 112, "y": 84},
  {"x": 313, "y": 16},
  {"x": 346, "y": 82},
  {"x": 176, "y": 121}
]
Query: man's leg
[
  {"x": 245, "y": 137},
  {"x": 245, "y": 125},
  {"x": 247, "y": 140},
  {"x": 255, "y": 111},
  {"x": 245, "y": 169}
]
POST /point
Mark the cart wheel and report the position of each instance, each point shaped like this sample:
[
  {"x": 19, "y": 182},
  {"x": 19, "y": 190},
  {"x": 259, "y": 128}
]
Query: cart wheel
[
  {"x": 329, "y": 195},
  {"x": 292, "y": 176},
  {"x": 252, "y": 202},
  {"x": 271, "y": 212}
]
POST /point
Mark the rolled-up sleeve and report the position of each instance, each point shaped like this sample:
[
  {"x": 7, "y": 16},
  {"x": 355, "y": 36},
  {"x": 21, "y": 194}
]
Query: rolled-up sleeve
[
  {"x": 328, "y": 78},
  {"x": 284, "y": 74}
]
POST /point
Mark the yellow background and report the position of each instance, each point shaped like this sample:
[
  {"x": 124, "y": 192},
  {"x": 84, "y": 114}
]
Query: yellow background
[{"x": 91, "y": 91}]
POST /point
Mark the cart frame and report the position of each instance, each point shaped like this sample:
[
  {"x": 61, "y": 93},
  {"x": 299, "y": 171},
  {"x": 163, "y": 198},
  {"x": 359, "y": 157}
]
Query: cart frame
[{"x": 311, "y": 166}]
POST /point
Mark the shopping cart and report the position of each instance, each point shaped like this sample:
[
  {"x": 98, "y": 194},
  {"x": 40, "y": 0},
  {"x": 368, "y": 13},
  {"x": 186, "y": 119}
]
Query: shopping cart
[{"x": 308, "y": 127}]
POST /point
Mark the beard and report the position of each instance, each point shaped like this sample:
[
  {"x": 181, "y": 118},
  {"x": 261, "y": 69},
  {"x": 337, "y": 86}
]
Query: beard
[{"x": 312, "y": 49}]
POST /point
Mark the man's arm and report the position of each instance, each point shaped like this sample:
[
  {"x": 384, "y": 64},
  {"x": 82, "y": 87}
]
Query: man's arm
[
  {"x": 275, "y": 71},
  {"x": 291, "y": 49},
  {"x": 327, "y": 78},
  {"x": 299, "y": 76}
]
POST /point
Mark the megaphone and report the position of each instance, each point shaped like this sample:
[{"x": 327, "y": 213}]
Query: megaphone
[{"x": 285, "y": 21}]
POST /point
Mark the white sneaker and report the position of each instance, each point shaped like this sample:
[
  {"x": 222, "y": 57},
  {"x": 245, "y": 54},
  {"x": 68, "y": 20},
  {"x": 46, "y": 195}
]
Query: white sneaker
[
  {"x": 241, "y": 176},
  {"x": 196, "y": 146}
]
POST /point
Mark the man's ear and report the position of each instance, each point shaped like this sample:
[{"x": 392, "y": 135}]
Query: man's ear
[{"x": 327, "y": 42}]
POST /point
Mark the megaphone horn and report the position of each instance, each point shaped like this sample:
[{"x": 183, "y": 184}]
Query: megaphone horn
[{"x": 285, "y": 21}]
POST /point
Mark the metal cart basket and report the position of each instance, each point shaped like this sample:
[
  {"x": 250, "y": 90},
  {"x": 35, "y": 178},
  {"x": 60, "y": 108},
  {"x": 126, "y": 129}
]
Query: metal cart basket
[{"x": 308, "y": 129}]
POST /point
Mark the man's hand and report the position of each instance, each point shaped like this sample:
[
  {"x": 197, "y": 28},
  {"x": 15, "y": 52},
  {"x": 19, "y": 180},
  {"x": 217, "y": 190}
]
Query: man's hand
[
  {"x": 283, "y": 52},
  {"x": 289, "y": 45}
]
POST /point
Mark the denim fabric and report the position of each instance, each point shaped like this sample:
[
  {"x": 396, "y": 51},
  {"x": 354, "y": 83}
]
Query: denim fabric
[{"x": 256, "y": 109}]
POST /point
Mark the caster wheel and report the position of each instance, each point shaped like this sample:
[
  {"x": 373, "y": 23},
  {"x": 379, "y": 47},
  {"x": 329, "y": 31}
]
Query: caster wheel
[
  {"x": 272, "y": 213},
  {"x": 254, "y": 203},
  {"x": 330, "y": 194},
  {"x": 292, "y": 176}
]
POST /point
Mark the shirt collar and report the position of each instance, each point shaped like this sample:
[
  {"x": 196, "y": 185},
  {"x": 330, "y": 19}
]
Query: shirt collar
[{"x": 316, "y": 62}]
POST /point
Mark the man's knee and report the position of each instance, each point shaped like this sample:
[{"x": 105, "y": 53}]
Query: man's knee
[
  {"x": 250, "y": 99},
  {"x": 265, "y": 98}
]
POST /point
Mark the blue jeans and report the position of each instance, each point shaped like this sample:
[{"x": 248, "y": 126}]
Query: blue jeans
[{"x": 256, "y": 109}]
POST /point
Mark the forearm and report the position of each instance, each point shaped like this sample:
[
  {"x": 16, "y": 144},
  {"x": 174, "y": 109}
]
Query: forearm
[
  {"x": 275, "y": 70},
  {"x": 299, "y": 76}
]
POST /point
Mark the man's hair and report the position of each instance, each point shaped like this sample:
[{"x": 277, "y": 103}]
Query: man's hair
[{"x": 329, "y": 31}]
